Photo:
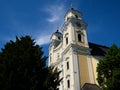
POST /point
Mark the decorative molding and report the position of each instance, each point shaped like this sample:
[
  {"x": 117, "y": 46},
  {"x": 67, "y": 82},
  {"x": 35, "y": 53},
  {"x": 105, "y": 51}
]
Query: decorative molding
[
  {"x": 81, "y": 49},
  {"x": 58, "y": 47},
  {"x": 67, "y": 49},
  {"x": 56, "y": 63},
  {"x": 68, "y": 76},
  {"x": 77, "y": 49}
]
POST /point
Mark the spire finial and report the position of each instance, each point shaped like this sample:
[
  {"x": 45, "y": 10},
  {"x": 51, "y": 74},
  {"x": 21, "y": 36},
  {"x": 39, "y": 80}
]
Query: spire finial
[
  {"x": 71, "y": 4},
  {"x": 57, "y": 28}
]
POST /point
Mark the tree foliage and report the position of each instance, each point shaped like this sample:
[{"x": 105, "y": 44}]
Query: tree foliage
[
  {"x": 23, "y": 67},
  {"x": 109, "y": 69}
]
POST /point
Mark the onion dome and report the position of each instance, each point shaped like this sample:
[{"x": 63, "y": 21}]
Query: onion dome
[
  {"x": 72, "y": 13},
  {"x": 56, "y": 38}
]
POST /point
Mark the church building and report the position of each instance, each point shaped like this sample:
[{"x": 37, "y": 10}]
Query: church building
[{"x": 73, "y": 55}]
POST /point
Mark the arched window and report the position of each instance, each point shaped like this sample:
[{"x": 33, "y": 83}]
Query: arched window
[
  {"x": 67, "y": 64},
  {"x": 67, "y": 18},
  {"x": 76, "y": 16},
  {"x": 79, "y": 37},
  {"x": 68, "y": 83},
  {"x": 66, "y": 40},
  {"x": 58, "y": 38}
]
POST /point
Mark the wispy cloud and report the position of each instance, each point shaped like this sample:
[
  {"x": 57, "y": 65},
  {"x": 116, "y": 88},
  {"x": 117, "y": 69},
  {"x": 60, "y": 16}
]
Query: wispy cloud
[
  {"x": 55, "y": 16},
  {"x": 55, "y": 11},
  {"x": 43, "y": 40}
]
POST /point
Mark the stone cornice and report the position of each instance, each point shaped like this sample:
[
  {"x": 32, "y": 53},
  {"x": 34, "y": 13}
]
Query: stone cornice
[
  {"x": 77, "y": 49},
  {"x": 81, "y": 49}
]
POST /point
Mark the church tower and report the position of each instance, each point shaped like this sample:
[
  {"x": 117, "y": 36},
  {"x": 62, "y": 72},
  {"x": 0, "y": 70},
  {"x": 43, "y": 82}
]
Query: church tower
[{"x": 69, "y": 51}]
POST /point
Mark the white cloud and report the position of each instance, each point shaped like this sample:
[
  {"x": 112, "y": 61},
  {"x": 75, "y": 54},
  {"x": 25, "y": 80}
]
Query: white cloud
[
  {"x": 53, "y": 18},
  {"x": 55, "y": 11},
  {"x": 43, "y": 40},
  {"x": 55, "y": 15}
]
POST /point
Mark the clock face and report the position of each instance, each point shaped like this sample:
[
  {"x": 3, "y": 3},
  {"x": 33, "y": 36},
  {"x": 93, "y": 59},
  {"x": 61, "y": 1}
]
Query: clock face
[{"x": 78, "y": 24}]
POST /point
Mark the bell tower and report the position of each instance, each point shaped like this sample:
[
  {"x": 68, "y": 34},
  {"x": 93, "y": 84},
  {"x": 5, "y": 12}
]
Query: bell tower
[
  {"x": 76, "y": 27},
  {"x": 70, "y": 52}
]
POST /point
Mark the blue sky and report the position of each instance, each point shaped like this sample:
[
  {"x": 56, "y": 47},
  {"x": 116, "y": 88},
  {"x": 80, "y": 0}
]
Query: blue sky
[{"x": 40, "y": 18}]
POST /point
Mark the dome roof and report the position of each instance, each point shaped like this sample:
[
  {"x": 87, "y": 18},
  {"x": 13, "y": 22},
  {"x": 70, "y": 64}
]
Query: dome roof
[
  {"x": 56, "y": 38},
  {"x": 73, "y": 11},
  {"x": 56, "y": 35}
]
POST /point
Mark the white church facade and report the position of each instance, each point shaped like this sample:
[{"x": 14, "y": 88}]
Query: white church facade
[{"x": 71, "y": 53}]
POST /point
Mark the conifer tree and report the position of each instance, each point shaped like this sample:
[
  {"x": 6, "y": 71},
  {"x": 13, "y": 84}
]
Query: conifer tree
[{"x": 23, "y": 67}]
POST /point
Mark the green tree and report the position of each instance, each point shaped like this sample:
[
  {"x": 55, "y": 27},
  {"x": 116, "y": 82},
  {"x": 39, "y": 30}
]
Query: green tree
[
  {"x": 109, "y": 69},
  {"x": 23, "y": 67}
]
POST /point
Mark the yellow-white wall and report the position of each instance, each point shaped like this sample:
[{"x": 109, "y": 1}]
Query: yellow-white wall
[
  {"x": 95, "y": 61},
  {"x": 83, "y": 69}
]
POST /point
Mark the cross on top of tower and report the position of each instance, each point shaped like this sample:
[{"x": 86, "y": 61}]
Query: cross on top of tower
[
  {"x": 57, "y": 29},
  {"x": 71, "y": 4}
]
